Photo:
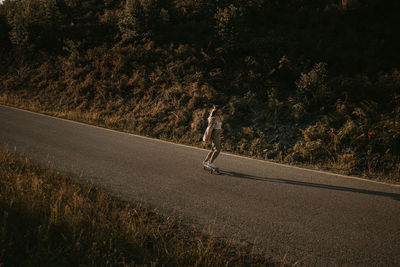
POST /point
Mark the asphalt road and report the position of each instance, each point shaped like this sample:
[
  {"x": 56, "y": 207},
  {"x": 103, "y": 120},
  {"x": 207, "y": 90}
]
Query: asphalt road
[{"x": 289, "y": 213}]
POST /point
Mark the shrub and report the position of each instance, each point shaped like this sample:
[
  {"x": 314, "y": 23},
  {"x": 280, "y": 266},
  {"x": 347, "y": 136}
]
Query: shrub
[
  {"x": 141, "y": 18},
  {"x": 35, "y": 24},
  {"x": 315, "y": 144},
  {"x": 313, "y": 92},
  {"x": 4, "y": 29},
  {"x": 228, "y": 26}
]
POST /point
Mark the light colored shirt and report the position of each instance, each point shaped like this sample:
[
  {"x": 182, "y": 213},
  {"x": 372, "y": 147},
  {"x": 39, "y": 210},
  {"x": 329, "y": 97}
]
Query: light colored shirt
[{"x": 218, "y": 125}]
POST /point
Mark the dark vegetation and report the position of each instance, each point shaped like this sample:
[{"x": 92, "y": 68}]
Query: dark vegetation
[
  {"x": 48, "y": 219},
  {"x": 300, "y": 81}
]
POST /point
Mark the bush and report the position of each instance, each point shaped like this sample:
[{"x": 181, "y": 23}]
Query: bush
[
  {"x": 140, "y": 19},
  {"x": 228, "y": 26},
  {"x": 315, "y": 144},
  {"x": 313, "y": 92},
  {"x": 4, "y": 30},
  {"x": 35, "y": 24}
]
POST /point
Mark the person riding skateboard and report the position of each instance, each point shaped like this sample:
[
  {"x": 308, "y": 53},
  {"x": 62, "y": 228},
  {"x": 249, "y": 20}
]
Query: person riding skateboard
[{"x": 213, "y": 134}]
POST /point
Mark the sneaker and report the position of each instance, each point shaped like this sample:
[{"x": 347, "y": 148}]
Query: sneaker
[
  {"x": 212, "y": 165},
  {"x": 205, "y": 163}
]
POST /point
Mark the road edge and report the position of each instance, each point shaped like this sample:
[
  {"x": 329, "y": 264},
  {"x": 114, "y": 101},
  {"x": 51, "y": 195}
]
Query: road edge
[{"x": 202, "y": 149}]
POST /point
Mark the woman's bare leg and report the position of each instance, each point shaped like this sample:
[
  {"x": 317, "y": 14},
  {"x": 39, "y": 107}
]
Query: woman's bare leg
[
  {"x": 216, "y": 148},
  {"x": 209, "y": 155}
]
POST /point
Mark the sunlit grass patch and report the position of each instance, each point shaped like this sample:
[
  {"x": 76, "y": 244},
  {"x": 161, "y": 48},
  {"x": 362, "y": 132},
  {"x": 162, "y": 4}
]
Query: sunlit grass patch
[{"x": 48, "y": 219}]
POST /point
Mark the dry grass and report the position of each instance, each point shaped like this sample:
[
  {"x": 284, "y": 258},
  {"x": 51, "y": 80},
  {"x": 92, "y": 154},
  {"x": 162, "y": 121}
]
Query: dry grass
[{"x": 47, "y": 219}]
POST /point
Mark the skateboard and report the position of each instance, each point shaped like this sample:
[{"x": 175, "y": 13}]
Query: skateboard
[{"x": 211, "y": 169}]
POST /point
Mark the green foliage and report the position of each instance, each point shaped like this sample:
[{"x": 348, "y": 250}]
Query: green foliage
[
  {"x": 35, "y": 23},
  {"x": 315, "y": 144},
  {"x": 313, "y": 92},
  {"x": 141, "y": 18},
  {"x": 228, "y": 26},
  {"x": 366, "y": 142},
  {"x": 308, "y": 81},
  {"x": 72, "y": 49},
  {"x": 4, "y": 29}
]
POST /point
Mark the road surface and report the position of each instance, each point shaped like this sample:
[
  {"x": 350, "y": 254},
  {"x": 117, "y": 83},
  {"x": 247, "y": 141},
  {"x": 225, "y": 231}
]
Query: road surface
[{"x": 289, "y": 213}]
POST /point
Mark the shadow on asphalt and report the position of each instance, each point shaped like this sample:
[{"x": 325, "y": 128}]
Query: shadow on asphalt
[{"x": 299, "y": 183}]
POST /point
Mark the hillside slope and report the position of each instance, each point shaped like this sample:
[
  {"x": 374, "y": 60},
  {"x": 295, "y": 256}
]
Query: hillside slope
[{"x": 299, "y": 81}]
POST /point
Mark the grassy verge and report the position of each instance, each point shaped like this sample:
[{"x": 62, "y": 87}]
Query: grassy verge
[
  {"x": 89, "y": 117},
  {"x": 47, "y": 219}
]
